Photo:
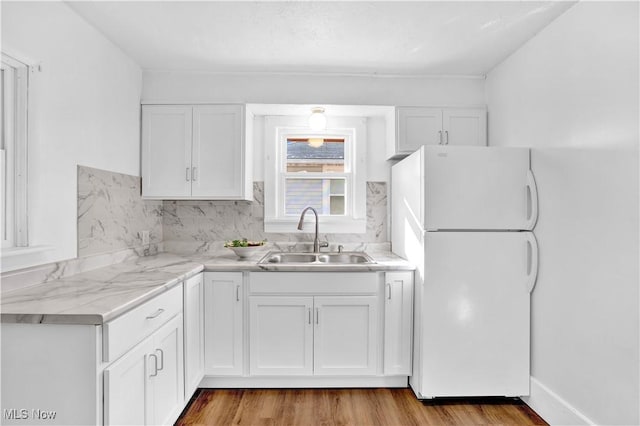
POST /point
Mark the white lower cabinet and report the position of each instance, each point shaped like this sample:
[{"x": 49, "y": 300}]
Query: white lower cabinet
[
  {"x": 314, "y": 333},
  {"x": 330, "y": 335},
  {"x": 398, "y": 323},
  {"x": 281, "y": 335},
  {"x": 223, "y": 317},
  {"x": 345, "y": 335},
  {"x": 146, "y": 385},
  {"x": 193, "y": 334}
]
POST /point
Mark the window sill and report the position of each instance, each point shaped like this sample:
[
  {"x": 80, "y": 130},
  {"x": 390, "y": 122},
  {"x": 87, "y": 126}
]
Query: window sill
[
  {"x": 21, "y": 257},
  {"x": 328, "y": 225}
]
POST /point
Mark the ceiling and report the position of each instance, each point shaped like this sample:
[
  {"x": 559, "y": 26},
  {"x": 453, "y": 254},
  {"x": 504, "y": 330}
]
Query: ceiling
[{"x": 361, "y": 37}]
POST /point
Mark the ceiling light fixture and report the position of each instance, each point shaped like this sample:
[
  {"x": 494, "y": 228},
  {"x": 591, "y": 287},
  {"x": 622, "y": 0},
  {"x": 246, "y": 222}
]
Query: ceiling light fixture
[
  {"x": 317, "y": 119},
  {"x": 315, "y": 142}
]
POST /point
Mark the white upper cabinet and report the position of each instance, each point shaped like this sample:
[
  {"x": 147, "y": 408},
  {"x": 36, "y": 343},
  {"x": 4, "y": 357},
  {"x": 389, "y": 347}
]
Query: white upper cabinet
[
  {"x": 418, "y": 126},
  {"x": 195, "y": 152}
]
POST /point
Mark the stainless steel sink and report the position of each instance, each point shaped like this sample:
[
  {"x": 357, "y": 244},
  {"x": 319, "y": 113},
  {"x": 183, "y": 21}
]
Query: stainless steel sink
[{"x": 345, "y": 258}]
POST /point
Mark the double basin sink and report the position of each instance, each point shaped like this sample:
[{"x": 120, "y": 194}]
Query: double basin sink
[{"x": 344, "y": 258}]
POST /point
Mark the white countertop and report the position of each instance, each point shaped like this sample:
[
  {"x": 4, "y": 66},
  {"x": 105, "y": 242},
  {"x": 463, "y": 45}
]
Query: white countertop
[{"x": 101, "y": 295}]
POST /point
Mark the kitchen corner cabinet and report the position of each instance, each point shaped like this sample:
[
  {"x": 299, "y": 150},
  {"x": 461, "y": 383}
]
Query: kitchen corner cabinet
[
  {"x": 224, "y": 302},
  {"x": 398, "y": 322},
  {"x": 417, "y": 126},
  {"x": 145, "y": 386},
  {"x": 193, "y": 334},
  {"x": 129, "y": 370},
  {"x": 195, "y": 152}
]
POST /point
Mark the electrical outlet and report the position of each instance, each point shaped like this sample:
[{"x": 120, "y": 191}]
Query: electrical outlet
[{"x": 145, "y": 238}]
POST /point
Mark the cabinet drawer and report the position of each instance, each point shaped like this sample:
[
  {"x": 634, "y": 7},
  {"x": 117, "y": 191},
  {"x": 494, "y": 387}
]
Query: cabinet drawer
[
  {"x": 129, "y": 329},
  {"x": 314, "y": 283}
]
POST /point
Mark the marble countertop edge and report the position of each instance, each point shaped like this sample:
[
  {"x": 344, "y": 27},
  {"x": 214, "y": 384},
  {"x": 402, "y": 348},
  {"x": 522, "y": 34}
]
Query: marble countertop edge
[{"x": 98, "y": 296}]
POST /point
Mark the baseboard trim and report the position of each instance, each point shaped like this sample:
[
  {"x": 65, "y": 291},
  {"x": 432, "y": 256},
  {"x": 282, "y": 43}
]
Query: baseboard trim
[
  {"x": 552, "y": 408},
  {"x": 304, "y": 382}
]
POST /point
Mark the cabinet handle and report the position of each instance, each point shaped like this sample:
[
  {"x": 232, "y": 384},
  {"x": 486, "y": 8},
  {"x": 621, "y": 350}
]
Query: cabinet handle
[
  {"x": 194, "y": 174},
  {"x": 317, "y": 316},
  {"x": 188, "y": 175},
  {"x": 446, "y": 137},
  {"x": 161, "y": 359},
  {"x": 155, "y": 365},
  {"x": 237, "y": 293},
  {"x": 439, "y": 137},
  {"x": 155, "y": 314},
  {"x": 309, "y": 314},
  {"x": 389, "y": 291}
]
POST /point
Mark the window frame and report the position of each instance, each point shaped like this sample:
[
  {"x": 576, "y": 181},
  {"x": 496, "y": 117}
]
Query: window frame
[
  {"x": 14, "y": 141},
  {"x": 277, "y": 130}
]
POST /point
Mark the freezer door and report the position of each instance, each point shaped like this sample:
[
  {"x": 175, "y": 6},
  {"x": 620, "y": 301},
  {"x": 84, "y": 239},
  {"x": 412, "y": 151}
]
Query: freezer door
[
  {"x": 478, "y": 188},
  {"x": 475, "y": 314}
]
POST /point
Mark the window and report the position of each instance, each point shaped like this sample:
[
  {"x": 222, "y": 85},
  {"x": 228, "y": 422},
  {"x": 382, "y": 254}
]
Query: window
[
  {"x": 321, "y": 169},
  {"x": 13, "y": 152}
]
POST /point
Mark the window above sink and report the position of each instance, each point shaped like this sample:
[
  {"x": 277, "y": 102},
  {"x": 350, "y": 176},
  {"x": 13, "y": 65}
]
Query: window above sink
[{"x": 324, "y": 169}]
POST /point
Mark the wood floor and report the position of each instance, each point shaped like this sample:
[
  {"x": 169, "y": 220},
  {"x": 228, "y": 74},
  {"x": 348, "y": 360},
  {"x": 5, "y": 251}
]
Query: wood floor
[{"x": 347, "y": 407}]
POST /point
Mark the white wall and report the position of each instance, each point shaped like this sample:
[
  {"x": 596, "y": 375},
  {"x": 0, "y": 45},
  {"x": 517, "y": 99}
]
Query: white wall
[
  {"x": 571, "y": 93},
  {"x": 168, "y": 86},
  {"x": 84, "y": 109}
]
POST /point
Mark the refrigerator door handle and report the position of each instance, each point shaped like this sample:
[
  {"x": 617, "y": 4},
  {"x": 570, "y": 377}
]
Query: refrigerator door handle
[
  {"x": 532, "y": 201},
  {"x": 532, "y": 260}
]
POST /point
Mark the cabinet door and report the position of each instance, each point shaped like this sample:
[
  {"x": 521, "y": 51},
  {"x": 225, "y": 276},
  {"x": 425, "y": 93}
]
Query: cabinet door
[
  {"x": 398, "y": 333},
  {"x": 417, "y": 126},
  {"x": 218, "y": 152},
  {"x": 281, "y": 335},
  {"x": 345, "y": 335},
  {"x": 193, "y": 333},
  {"x": 166, "y": 387},
  {"x": 125, "y": 390},
  {"x": 464, "y": 126},
  {"x": 166, "y": 151},
  {"x": 223, "y": 295}
]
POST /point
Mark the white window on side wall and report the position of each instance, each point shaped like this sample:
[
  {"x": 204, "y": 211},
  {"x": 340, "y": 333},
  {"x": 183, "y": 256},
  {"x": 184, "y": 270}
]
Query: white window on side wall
[
  {"x": 323, "y": 169},
  {"x": 13, "y": 152}
]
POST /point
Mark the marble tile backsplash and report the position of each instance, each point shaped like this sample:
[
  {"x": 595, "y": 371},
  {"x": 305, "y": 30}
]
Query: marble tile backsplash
[
  {"x": 200, "y": 226},
  {"x": 112, "y": 213}
]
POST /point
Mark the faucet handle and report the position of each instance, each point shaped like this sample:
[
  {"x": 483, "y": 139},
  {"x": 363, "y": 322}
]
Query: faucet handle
[
  {"x": 324, "y": 244},
  {"x": 340, "y": 248}
]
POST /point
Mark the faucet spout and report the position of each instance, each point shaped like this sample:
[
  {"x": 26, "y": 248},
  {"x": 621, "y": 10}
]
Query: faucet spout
[{"x": 316, "y": 242}]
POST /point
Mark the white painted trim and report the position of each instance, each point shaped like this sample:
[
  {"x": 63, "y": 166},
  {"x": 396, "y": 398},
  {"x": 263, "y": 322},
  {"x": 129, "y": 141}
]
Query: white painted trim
[
  {"x": 354, "y": 127},
  {"x": 553, "y": 408},
  {"x": 305, "y": 382},
  {"x": 371, "y": 74}
]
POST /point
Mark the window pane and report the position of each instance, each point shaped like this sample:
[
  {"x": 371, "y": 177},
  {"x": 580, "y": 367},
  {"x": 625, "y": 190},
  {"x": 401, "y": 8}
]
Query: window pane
[
  {"x": 317, "y": 155},
  {"x": 317, "y": 193}
]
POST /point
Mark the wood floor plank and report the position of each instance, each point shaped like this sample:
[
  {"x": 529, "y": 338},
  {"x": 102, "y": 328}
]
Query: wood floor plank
[{"x": 346, "y": 407}]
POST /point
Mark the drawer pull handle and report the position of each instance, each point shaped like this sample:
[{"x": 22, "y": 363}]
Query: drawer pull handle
[
  {"x": 155, "y": 365},
  {"x": 155, "y": 314},
  {"x": 161, "y": 359}
]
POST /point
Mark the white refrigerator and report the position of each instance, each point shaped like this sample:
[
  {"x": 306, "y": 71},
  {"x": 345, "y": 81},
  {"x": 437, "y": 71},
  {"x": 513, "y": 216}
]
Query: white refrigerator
[{"x": 464, "y": 216}]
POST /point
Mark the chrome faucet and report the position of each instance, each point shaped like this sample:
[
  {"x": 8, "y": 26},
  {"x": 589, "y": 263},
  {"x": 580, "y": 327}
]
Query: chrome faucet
[{"x": 316, "y": 242}]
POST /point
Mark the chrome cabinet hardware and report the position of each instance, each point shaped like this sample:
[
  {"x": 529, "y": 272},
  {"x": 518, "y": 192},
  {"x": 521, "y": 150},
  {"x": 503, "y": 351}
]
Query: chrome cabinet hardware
[
  {"x": 156, "y": 314},
  {"x": 161, "y": 359},
  {"x": 155, "y": 365}
]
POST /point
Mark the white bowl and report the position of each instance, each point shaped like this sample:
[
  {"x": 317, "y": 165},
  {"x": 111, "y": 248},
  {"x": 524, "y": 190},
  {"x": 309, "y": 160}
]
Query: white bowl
[{"x": 244, "y": 252}]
